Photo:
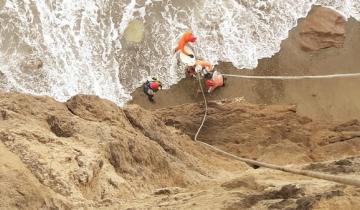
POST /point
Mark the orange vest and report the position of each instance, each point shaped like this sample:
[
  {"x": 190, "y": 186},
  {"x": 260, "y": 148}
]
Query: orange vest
[{"x": 185, "y": 38}]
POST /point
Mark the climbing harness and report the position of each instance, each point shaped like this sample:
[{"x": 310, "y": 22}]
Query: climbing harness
[
  {"x": 295, "y": 77},
  {"x": 328, "y": 177}
]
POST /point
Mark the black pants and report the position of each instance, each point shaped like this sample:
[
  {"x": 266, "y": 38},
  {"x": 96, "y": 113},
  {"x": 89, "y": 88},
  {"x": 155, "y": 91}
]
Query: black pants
[{"x": 146, "y": 89}]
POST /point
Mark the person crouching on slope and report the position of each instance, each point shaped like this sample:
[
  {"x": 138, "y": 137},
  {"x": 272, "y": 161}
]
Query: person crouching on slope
[
  {"x": 184, "y": 40},
  {"x": 216, "y": 80},
  {"x": 151, "y": 86}
]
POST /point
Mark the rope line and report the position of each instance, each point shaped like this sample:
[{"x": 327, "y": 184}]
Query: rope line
[
  {"x": 206, "y": 107},
  {"x": 329, "y": 76},
  {"x": 328, "y": 177}
]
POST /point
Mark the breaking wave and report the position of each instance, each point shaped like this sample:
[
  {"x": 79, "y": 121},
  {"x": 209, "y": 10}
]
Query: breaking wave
[{"x": 108, "y": 47}]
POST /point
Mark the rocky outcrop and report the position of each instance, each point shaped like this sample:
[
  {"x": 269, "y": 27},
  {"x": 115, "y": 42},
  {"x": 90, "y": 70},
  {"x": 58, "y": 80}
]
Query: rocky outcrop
[
  {"x": 275, "y": 134},
  {"x": 322, "y": 28},
  {"x": 89, "y": 153},
  {"x": 20, "y": 189}
]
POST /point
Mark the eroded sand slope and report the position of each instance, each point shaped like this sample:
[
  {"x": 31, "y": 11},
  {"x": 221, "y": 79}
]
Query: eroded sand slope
[{"x": 89, "y": 153}]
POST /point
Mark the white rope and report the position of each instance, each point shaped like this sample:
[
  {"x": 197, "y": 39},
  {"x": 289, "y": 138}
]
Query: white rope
[
  {"x": 206, "y": 107},
  {"x": 328, "y": 177},
  {"x": 333, "y": 178},
  {"x": 295, "y": 77}
]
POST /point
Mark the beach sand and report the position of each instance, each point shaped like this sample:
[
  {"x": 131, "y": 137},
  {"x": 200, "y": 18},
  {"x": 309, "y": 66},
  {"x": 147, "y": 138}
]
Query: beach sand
[{"x": 326, "y": 99}]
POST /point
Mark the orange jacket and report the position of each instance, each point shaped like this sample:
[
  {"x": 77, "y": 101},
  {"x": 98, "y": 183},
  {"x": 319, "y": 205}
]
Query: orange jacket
[
  {"x": 204, "y": 64},
  {"x": 185, "y": 38}
]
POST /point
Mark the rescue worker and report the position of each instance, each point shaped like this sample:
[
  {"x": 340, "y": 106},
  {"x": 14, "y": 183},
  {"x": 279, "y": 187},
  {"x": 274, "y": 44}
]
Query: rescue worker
[
  {"x": 216, "y": 80},
  {"x": 201, "y": 66},
  {"x": 184, "y": 40},
  {"x": 151, "y": 86},
  {"x": 205, "y": 65}
]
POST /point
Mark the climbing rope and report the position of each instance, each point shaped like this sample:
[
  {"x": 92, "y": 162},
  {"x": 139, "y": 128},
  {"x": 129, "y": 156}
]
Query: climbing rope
[
  {"x": 295, "y": 77},
  {"x": 206, "y": 107},
  {"x": 328, "y": 177}
]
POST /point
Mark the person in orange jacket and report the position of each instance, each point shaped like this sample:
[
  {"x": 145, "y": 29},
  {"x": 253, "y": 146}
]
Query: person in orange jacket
[{"x": 184, "y": 40}]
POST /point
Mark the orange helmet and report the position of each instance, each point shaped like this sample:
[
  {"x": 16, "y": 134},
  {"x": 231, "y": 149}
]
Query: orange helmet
[
  {"x": 154, "y": 85},
  {"x": 209, "y": 83}
]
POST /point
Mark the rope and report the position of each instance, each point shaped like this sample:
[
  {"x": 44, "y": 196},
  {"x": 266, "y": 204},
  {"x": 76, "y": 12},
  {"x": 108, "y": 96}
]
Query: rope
[
  {"x": 206, "y": 107},
  {"x": 329, "y": 76},
  {"x": 328, "y": 177}
]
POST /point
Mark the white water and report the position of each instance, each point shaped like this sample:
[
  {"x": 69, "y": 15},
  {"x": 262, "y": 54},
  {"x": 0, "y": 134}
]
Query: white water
[{"x": 83, "y": 47}]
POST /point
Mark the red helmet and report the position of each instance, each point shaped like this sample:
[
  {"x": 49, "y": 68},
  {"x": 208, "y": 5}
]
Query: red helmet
[
  {"x": 192, "y": 39},
  {"x": 154, "y": 85},
  {"x": 209, "y": 83}
]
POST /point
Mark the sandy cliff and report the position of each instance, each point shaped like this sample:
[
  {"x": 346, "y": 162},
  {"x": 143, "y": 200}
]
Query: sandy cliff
[{"x": 89, "y": 153}]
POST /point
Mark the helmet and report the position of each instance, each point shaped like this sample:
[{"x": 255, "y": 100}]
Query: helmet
[
  {"x": 154, "y": 85},
  {"x": 192, "y": 38},
  {"x": 198, "y": 68},
  {"x": 209, "y": 83}
]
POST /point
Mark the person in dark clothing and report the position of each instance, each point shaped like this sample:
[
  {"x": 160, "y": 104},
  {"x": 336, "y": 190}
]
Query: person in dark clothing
[{"x": 151, "y": 87}]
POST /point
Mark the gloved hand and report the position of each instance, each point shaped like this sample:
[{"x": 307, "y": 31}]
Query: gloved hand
[
  {"x": 198, "y": 68},
  {"x": 191, "y": 56}
]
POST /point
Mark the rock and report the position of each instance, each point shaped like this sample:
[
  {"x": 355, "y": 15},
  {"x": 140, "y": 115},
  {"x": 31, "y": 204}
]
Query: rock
[
  {"x": 284, "y": 193},
  {"x": 345, "y": 166},
  {"x": 4, "y": 115},
  {"x": 323, "y": 28},
  {"x": 243, "y": 182},
  {"x": 352, "y": 125},
  {"x": 344, "y": 162},
  {"x": 61, "y": 127},
  {"x": 136, "y": 117},
  {"x": 307, "y": 202},
  {"x": 167, "y": 191},
  {"x": 94, "y": 109}
]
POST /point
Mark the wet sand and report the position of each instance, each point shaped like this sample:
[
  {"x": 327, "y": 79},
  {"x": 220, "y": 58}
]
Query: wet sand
[{"x": 330, "y": 99}]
